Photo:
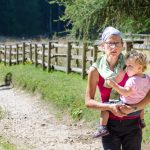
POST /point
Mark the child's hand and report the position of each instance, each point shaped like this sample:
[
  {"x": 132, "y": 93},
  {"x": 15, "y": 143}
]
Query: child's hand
[{"x": 111, "y": 83}]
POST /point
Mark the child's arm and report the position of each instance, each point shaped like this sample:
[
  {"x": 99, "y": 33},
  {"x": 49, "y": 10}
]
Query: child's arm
[
  {"x": 135, "y": 107},
  {"x": 125, "y": 91}
]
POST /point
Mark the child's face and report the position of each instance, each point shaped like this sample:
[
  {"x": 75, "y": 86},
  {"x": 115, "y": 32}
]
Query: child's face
[{"x": 133, "y": 67}]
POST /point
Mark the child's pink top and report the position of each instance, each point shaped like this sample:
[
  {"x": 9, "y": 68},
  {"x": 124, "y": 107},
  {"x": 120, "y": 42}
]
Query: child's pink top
[
  {"x": 140, "y": 87},
  {"x": 105, "y": 95}
]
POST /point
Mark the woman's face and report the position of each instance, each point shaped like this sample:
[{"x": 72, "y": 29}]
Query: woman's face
[{"x": 113, "y": 46}]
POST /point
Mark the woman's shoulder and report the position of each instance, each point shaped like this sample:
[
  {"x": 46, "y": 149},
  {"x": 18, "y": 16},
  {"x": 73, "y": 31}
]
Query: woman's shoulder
[{"x": 92, "y": 72}]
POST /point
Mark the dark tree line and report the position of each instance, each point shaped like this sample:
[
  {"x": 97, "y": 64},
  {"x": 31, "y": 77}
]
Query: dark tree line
[{"x": 29, "y": 18}]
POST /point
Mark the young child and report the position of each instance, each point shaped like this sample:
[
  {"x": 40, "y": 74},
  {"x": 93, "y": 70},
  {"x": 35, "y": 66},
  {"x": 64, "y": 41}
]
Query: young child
[{"x": 134, "y": 91}]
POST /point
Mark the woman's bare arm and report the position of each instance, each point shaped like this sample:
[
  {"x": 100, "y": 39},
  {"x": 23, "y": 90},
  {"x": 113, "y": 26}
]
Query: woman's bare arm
[
  {"x": 93, "y": 77},
  {"x": 91, "y": 89}
]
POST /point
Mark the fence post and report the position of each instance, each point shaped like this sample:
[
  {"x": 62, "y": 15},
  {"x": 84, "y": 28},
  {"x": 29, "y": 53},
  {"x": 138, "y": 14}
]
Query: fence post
[
  {"x": 5, "y": 55},
  {"x": 43, "y": 56},
  {"x": 95, "y": 53},
  {"x": 68, "y": 57},
  {"x": 49, "y": 57},
  {"x": 23, "y": 53},
  {"x": 84, "y": 60},
  {"x": 77, "y": 53},
  {"x": 0, "y": 54},
  {"x": 35, "y": 55},
  {"x": 30, "y": 49},
  {"x": 9, "y": 60},
  {"x": 128, "y": 46},
  {"x": 56, "y": 51},
  {"x": 17, "y": 54}
]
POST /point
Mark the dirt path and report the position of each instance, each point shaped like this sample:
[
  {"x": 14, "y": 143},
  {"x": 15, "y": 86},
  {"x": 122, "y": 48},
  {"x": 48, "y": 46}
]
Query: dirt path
[{"x": 32, "y": 125}]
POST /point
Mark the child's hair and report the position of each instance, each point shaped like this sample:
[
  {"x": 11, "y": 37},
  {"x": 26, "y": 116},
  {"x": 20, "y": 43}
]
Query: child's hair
[{"x": 139, "y": 57}]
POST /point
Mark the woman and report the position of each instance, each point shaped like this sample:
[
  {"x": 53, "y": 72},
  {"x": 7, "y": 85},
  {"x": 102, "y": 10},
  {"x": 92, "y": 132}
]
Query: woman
[{"x": 124, "y": 130}]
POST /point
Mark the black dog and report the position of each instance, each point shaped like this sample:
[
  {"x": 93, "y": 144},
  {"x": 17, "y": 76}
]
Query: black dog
[{"x": 7, "y": 79}]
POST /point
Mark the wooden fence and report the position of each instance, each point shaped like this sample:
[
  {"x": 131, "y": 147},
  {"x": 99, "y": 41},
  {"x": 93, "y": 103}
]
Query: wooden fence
[
  {"x": 69, "y": 57},
  {"x": 48, "y": 55}
]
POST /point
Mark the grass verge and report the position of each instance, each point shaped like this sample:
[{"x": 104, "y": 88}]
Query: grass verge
[{"x": 6, "y": 145}]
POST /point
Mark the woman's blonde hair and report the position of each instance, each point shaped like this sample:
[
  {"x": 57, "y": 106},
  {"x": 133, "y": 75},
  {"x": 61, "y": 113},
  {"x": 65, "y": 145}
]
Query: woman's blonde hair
[{"x": 139, "y": 57}]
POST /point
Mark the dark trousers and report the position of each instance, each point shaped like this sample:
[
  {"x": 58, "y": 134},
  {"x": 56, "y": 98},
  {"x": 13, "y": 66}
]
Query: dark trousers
[{"x": 124, "y": 135}]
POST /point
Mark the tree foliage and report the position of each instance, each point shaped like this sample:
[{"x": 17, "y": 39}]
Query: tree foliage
[{"x": 88, "y": 17}]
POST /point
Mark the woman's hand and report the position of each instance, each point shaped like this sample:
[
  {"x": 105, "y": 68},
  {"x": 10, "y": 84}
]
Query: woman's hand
[
  {"x": 126, "y": 109},
  {"x": 115, "y": 109}
]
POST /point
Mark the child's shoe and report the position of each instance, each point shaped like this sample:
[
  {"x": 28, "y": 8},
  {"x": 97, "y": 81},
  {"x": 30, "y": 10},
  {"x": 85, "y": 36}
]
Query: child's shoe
[{"x": 101, "y": 131}]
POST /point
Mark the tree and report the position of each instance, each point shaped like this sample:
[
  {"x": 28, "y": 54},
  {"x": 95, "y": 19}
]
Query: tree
[{"x": 88, "y": 17}]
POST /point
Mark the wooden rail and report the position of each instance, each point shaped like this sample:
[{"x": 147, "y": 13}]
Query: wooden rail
[{"x": 69, "y": 57}]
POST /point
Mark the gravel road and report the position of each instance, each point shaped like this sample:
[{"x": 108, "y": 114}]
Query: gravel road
[{"x": 32, "y": 124}]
